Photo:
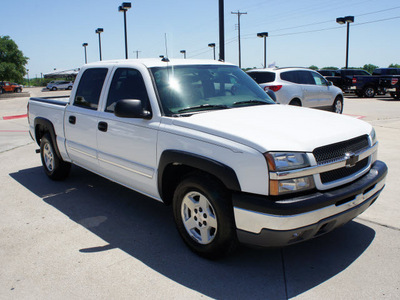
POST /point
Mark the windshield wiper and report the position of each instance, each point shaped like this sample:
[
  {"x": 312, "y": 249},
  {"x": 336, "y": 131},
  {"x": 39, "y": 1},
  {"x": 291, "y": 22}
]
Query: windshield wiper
[
  {"x": 250, "y": 102},
  {"x": 203, "y": 106}
]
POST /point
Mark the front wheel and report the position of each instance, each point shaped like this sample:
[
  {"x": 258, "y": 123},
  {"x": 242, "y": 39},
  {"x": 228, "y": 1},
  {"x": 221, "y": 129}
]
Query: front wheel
[
  {"x": 54, "y": 167},
  {"x": 203, "y": 215},
  {"x": 337, "y": 106}
]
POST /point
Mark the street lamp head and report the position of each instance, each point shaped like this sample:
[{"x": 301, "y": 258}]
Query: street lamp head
[
  {"x": 84, "y": 44},
  {"x": 349, "y": 19},
  {"x": 99, "y": 30},
  {"x": 183, "y": 51},
  {"x": 341, "y": 21},
  {"x": 212, "y": 45},
  {"x": 126, "y": 5},
  {"x": 262, "y": 34}
]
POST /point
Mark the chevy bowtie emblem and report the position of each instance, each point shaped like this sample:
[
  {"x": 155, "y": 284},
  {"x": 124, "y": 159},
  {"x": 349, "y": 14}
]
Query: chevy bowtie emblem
[{"x": 351, "y": 159}]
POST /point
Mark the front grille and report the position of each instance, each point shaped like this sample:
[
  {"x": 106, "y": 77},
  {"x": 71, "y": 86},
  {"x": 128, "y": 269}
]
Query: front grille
[
  {"x": 343, "y": 172},
  {"x": 334, "y": 152}
]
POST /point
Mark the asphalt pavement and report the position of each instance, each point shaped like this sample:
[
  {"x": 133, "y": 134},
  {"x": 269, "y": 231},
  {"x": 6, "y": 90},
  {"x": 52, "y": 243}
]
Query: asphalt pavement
[{"x": 89, "y": 238}]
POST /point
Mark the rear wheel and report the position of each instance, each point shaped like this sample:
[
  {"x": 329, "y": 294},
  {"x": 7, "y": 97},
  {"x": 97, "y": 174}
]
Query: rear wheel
[
  {"x": 369, "y": 92},
  {"x": 203, "y": 215},
  {"x": 53, "y": 165},
  {"x": 337, "y": 106}
]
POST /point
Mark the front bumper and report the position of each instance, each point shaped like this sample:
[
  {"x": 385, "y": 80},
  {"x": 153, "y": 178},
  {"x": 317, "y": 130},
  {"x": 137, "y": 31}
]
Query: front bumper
[{"x": 264, "y": 222}]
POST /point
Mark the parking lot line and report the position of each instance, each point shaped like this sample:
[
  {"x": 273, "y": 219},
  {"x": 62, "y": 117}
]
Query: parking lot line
[
  {"x": 355, "y": 116},
  {"x": 15, "y": 117}
]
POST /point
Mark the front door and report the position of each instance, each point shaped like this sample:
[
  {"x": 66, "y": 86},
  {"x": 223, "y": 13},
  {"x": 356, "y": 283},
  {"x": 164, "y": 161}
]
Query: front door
[{"x": 127, "y": 146}]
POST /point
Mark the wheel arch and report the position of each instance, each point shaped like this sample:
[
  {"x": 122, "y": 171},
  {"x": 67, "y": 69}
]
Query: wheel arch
[
  {"x": 43, "y": 126},
  {"x": 294, "y": 100},
  {"x": 175, "y": 164}
]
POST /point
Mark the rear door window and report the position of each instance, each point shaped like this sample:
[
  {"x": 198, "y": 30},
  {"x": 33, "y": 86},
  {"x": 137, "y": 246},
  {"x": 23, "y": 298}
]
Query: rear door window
[
  {"x": 89, "y": 89},
  {"x": 289, "y": 76}
]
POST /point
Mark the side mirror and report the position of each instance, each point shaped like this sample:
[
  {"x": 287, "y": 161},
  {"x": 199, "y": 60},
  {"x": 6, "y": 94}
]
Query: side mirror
[
  {"x": 131, "y": 108},
  {"x": 330, "y": 83}
]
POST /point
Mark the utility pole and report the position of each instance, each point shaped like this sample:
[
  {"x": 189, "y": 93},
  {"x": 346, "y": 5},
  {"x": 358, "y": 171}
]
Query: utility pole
[
  {"x": 238, "y": 13},
  {"x": 137, "y": 53}
]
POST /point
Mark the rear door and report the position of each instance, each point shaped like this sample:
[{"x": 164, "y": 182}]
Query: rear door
[{"x": 81, "y": 119}]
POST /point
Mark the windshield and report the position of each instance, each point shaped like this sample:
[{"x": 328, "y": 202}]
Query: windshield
[{"x": 189, "y": 89}]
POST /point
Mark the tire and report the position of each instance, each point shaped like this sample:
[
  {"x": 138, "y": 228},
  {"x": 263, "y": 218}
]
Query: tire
[
  {"x": 69, "y": 88},
  {"x": 295, "y": 102},
  {"x": 54, "y": 89},
  {"x": 54, "y": 167},
  {"x": 359, "y": 94},
  {"x": 203, "y": 215},
  {"x": 369, "y": 92},
  {"x": 337, "y": 106}
]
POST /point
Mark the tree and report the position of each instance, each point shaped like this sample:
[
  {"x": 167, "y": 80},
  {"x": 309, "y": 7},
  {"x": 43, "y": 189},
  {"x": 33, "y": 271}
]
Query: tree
[
  {"x": 312, "y": 67},
  {"x": 12, "y": 60},
  {"x": 370, "y": 68},
  {"x": 330, "y": 68},
  {"x": 394, "y": 66}
]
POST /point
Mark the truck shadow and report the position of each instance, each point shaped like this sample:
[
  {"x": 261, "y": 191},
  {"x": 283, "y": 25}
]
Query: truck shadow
[{"x": 144, "y": 229}]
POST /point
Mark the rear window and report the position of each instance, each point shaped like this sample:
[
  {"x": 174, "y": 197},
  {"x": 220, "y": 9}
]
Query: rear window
[{"x": 262, "y": 77}]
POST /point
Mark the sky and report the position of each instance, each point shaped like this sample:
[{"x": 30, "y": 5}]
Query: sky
[{"x": 301, "y": 33}]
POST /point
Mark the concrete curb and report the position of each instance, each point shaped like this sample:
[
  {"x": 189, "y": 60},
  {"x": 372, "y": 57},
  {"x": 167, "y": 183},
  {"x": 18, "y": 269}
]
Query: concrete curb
[{"x": 14, "y": 95}]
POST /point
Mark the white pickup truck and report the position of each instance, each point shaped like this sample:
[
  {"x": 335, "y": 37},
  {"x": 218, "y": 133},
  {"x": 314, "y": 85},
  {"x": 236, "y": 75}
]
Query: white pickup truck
[{"x": 204, "y": 137}]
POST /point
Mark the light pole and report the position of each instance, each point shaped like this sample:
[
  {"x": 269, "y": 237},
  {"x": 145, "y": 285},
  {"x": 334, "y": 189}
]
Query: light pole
[
  {"x": 124, "y": 7},
  {"x": 84, "y": 47},
  {"x": 341, "y": 21},
  {"x": 27, "y": 71},
  {"x": 264, "y": 35},
  {"x": 184, "y": 53},
  {"x": 212, "y": 45},
  {"x": 99, "y": 31}
]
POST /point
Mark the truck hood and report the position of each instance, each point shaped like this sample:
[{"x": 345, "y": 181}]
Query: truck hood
[{"x": 276, "y": 127}]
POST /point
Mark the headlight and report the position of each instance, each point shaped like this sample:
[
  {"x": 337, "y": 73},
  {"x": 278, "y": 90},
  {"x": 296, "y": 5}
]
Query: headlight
[
  {"x": 374, "y": 140},
  {"x": 373, "y": 136},
  {"x": 282, "y": 161}
]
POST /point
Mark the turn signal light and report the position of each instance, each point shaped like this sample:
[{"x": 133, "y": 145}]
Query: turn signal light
[{"x": 394, "y": 81}]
